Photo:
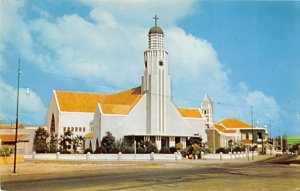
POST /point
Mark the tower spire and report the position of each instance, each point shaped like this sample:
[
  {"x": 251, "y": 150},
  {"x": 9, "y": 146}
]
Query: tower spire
[{"x": 155, "y": 18}]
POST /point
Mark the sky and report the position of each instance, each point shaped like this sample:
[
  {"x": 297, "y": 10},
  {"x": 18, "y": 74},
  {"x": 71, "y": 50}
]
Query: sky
[{"x": 243, "y": 54}]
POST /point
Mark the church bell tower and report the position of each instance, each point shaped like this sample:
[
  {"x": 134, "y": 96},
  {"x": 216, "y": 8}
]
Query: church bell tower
[
  {"x": 156, "y": 81},
  {"x": 207, "y": 109}
]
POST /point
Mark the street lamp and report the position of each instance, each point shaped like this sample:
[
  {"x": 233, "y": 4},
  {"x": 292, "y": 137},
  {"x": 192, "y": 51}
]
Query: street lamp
[{"x": 17, "y": 118}]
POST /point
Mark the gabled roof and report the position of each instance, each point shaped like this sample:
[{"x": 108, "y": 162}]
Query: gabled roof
[
  {"x": 190, "y": 112},
  {"x": 11, "y": 137},
  {"x": 118, "y": 103},
  {"x": 233, "y": 123},
  {"x": 223, "y": 129}
]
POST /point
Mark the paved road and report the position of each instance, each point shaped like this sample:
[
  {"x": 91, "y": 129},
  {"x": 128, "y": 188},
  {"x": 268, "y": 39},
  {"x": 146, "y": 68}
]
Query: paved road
[{"x": 241, "y": 176}]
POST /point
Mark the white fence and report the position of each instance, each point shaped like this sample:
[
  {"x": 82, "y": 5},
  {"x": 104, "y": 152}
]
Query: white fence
[
  {"x": 230, "y": 156},
  {"x": 132, "y": 157},
  {"x": 103, "y": 157}
]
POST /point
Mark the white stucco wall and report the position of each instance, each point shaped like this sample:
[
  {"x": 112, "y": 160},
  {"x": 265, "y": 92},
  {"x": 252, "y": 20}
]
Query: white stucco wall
[
  {"x": 198, "y": 127},
  {"x": 75, "y": 119},
  {"x": 119, "y": 125},
  {"x": 175, "y": 123}
]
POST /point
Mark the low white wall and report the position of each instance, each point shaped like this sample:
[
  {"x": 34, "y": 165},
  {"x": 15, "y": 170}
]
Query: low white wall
[
  {"x": 100, "y": 157},
  {"x": 129, "y": 157},
  {"x": 229, "y": 156}
]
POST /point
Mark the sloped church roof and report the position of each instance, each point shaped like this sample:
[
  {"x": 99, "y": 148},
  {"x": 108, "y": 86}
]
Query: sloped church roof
[{"x": 117, "y": 103}]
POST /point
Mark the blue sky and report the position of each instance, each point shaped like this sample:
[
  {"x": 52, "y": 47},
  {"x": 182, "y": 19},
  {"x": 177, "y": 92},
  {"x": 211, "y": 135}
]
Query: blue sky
[{"x": 241, "y": 53}]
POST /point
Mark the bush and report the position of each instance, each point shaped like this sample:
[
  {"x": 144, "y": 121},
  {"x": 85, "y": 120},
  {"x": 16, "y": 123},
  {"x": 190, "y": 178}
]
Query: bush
[
  {"x": 221, "y": 149},
  {"x": 65, "y": 152},
  {"x": 172, "y": 149},
  {"x": 179, "y": 146},
  {"x": 194, "y": 140},
  {"x": 151, "y": 148},
  {"x": 184, "y": 152},
  {"x": 254, "y": 148},
  {"x": 5, "y": 152},
  {"x": 165, "y": 150},
  {"x": 128, "y": 150},
  {"x": 88, "y": 150},
  {"x": 140, "y": 150},
  {"x": 100, "y": 150},
  {"x": 238, "y": 149},
  {"x": 108, "y": 141},
  {"x": 114, "y": 150}
]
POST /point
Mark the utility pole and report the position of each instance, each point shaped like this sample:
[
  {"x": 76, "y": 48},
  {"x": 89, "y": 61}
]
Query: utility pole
[
  {"x": 252, "y": 124},
  {"x": 17, "y": 118}
]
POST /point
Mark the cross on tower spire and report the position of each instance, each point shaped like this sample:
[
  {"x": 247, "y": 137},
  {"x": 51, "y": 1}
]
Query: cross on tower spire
[{"x": 155, "y": 18}]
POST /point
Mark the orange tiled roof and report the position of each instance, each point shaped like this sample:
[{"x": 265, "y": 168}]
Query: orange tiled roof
[
  {"x": 90, "y": 135},
  {"x": 118, "y": 103},
  {"x": 11, "y": 126},
  {"x": 233, "y": 123},
  {"x": 223, "y": 129},
  {"x": 10, "y": 137},
  {"x": 190, "y": 112}
]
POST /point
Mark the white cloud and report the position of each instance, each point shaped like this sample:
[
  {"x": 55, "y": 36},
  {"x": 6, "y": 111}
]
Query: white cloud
[
  {"x": 108, "y": 49},
  {"x": 138, "y": 12},
  {"x": 31, "y": 107},
  {"x": 40, "y": 11}
]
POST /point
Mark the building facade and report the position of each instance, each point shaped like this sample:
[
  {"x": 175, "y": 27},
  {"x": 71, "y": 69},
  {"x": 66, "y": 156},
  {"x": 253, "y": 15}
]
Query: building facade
[
  {"x": 145, "y": 112},
  {"x": 231, "y": 129}
]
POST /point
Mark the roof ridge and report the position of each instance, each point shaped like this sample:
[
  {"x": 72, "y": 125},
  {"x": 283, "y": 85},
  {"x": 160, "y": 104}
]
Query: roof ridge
[{"x": 69, "y": 91}]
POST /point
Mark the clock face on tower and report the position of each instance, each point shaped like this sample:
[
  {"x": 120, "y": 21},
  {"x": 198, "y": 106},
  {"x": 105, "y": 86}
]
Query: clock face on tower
[{"x": 161, "y": 63}]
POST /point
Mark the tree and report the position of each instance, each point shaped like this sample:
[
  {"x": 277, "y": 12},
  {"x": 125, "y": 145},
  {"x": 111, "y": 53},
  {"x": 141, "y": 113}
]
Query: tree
[
  {"x": 108, "y": 141},
  {"x": 97, "y": 144},
  {"x": 194, "y": 140},
  {"x": 53, "y": 143},
  {"x": 65, "y": 142},
  {"x": 151, "y": 147},
  {"x": 77, "y": 142},
  {"x": 40, "y": 140}
]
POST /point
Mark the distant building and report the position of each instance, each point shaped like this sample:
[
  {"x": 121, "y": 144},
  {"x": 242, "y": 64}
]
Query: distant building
[
  {"x": 25, "y": 137},
  {"x": 230, "y": 129}
]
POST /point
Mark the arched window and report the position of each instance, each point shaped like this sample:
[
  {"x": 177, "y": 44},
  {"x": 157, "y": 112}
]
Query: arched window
[{"x": 52, "y": 127}]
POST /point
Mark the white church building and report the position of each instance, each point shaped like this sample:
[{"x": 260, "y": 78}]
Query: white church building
[{"x": 145, "y": 112}]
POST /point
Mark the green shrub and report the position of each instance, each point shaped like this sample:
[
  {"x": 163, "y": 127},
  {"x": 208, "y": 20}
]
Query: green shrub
[
  {"x": 128, "y": 150},
  {"x": 237, "y": 149},
  {"x": 100, "y": 150},
  {"x": 165, "y": 150},
  {"x": 172, "y": 149},
  {"x": 65, "y": 152},
  {"x": 221, "y": 149},
  {"x": 88, "y": 150},
  {"x": 114, "y": 150},
  {"x": 151, "y": 148},
  {"x": 140, "y": 150},
  {"x": 5, "y": 152}
]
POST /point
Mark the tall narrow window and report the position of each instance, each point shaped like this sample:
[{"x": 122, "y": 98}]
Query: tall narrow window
[{"x": 52, "y": 127}]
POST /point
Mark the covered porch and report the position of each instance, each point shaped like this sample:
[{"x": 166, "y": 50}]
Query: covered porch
[{"x": 160, "y": 140}]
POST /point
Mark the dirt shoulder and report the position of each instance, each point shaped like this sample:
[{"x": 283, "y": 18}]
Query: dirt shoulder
[{"x": 41, "y": 169}]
